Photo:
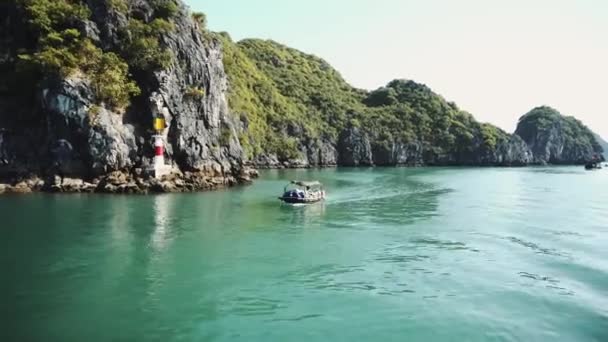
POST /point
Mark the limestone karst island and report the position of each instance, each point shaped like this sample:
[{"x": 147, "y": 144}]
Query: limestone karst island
[
  {"x": 83, "y": 82},
  {"x": 320, "y": 170}
]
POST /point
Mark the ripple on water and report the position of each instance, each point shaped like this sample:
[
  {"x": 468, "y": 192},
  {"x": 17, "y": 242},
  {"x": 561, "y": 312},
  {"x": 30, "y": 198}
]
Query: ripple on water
[
  {"x": 566, "y": 233},
  {"x": 398, "y": 259},
  {"x": 253, "y": 306},
  {"x": 397, "y": 207},
  {"x": 443, "y": 244},
  {"x": 549, "y": 283},
  {"x": 556, "y": 171},
  {"x": 537, "y": 248},
  {"x": 296, "y": 319},
  {"x": 348, "y": 279}
]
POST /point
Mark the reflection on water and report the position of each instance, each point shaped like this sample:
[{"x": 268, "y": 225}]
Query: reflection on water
[
  {"x": 303, "y": 215},
  {"x": 162, "y": 215},
  {"x": 557, "y": 171}
]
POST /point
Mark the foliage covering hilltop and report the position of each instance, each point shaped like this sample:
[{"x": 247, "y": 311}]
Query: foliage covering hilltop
[
  {"x": 407, "y": 111},
  {"x": 280, "y": 106},
  {"x": 554, "y": 135},
  {"x": 290, "y": 98},
  {"x": 541, "y": 119}
]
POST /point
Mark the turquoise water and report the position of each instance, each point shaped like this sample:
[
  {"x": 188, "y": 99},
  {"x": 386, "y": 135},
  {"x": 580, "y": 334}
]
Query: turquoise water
[{"x": 392, "y": 255}]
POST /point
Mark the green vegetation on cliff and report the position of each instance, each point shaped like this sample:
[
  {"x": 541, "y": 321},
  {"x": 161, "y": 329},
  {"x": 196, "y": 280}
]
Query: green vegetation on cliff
[
  {"x": 406, "y": 111},
  {"x": 141, "y": 46},
  {"x": 255, "y": 98},
  {"x": 60, "y": 49},
  {"x": 306, "y": 100},
  {"x": 308, "y": 81},
  {"x": 285, "y": 94}
]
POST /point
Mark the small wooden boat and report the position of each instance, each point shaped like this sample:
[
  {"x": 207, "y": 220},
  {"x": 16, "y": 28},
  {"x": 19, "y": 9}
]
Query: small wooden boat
[
  {"x": 298, "y": 192},
  {"x": 593, "y": 166}
]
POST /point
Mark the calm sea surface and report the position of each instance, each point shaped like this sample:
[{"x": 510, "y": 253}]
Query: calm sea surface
[{"x": 444, "y": 254}]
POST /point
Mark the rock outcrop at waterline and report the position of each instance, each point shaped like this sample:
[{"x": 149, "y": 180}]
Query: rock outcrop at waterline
[
  {"x": 56, "y": 122},
  {"x": 118, "y": 182}
]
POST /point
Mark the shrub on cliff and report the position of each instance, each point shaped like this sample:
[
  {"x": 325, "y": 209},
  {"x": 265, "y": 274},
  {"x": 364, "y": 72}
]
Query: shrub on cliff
[
  {"x": 141, "y": 45},
  {"x": 61, "y": 50},
  {"x": 48, "y": 16},
  {"x": 165, "y": 8},
  {"x": 201, "y": 19},
  {"x": 381, "y": 97},
  {"x": 110, "y": 81},
  {"x": 119, "y": 5}
]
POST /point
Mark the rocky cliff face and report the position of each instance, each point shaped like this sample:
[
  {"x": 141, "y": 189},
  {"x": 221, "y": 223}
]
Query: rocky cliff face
[
  {"x": 61, "y": 122},
  {"x": 357, "y": 147},
  {"x": 557, "y": 139},
  {"x": 603, "y": 143},
  {"x": 512, "y": 152},
  {"x": 354, "y": 148}
]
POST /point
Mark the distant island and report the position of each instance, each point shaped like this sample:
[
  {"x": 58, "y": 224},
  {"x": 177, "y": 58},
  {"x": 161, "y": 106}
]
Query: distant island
[{"x": 81, "y": 83}]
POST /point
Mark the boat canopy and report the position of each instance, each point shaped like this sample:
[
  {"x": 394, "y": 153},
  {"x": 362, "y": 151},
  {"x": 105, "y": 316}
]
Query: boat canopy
[{"x": 313, "y": 184}]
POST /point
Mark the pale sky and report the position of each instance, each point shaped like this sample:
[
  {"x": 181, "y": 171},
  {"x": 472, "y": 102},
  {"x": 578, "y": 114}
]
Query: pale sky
[{"x": 496, "y": 59}]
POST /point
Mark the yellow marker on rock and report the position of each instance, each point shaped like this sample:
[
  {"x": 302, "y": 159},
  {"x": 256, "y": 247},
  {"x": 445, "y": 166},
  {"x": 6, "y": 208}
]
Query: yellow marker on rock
[{"x": 159, "y": 124}]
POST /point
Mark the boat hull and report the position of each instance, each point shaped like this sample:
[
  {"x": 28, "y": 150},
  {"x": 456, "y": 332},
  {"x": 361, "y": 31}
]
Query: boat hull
[
  {"x": 292, "y": 200},
  {"x": 593, "y": 167}
]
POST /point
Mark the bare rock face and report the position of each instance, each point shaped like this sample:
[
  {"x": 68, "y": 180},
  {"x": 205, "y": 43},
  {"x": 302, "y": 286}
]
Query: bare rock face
[
  {"x": 267, "y": 161},
  {"x": 603, "y": 144},
  {"x": 514, "y": 152},
  {"x": 398, "y": 153},
  {"x": 315, "y": 153},
  {"x": 111, "y": 143},
  {"x": 322, "y": 153},
  {"x": 85, "y": 138},
  {"x": 202, "y": 133},
  {"x": 354, "y": 148}
]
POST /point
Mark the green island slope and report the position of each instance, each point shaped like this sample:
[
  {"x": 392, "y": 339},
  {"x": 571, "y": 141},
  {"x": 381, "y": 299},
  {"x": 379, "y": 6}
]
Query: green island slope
[{"x": 295, "y": 104}]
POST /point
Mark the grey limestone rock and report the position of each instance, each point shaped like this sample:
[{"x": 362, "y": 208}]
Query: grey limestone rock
[{"x": 354, "y": 148}]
